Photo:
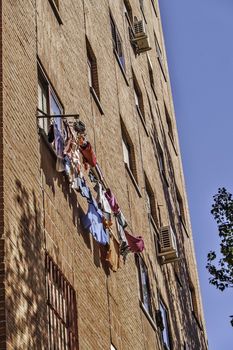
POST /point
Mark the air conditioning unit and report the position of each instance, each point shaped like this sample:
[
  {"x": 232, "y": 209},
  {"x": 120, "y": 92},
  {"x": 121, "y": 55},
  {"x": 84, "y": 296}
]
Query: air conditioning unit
[
  {"x": 167, "y": 245},
  {"x": 140, "y": 39}
]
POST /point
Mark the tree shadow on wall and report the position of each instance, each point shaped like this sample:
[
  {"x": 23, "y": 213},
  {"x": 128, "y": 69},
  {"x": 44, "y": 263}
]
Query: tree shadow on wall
[{"x": 25, "y": 273}]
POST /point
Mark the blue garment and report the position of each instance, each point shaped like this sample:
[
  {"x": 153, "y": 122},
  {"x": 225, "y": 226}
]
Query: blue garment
[
  {"x": 80, "y": 185},
  {"x": 92, "y": 221}
]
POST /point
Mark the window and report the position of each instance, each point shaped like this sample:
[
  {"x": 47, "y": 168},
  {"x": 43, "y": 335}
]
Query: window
[
  {"x": 161, "y": 160},
  {"x": 117, "y": 43},
  {"x": 141, "y": 2},
  {"x": 138, "y": 98},
  {"x": 92, "y": 70},
  {"x": 180, "y": 206},
  {"x": 159, "y": 56},
  {"x": 151, "y": 76},
  {"x": 154, "y": 7},
  {"x": 165, "y": 329},
  {"x": 61, "y": 309},
  {"x": 128, "y": 152},
  {"x": 48, "y": 102},
  {"x": 193, "y": 300},
  {"x": 128, "y": 11},
  {"x": 150, "y": 202},
  {"x": 169, "y": 124},
  {"x": 144, "y": 285}
]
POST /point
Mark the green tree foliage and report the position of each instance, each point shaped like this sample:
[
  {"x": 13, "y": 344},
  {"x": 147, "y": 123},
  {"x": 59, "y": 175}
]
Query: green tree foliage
[{"x": 221, "y": 268}]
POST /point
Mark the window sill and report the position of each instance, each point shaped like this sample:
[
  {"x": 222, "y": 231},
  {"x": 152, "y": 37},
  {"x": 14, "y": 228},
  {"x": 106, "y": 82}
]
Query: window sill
[
  {"x": 133, "y": 180},
  {"x": 142, "y": 120},
  {"x": 173, "y": 144},
  {"x": 121, "y": 68},
  {"x": 97, "y": 101},
  {"x": 56, "y": 11},
  {"x": 148, "y": 316}
]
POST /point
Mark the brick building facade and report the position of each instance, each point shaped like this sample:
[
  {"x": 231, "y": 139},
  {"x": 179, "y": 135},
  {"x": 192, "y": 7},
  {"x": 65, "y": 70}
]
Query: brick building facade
[{"x": 57, "y": 291}]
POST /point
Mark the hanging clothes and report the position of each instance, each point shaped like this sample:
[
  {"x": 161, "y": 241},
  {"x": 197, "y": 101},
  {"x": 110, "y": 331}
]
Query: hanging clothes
[
  {"x": 88, "y": 154},
  {"x": 101, "y": 199},
  {"x": 121, "y": 219},
  {"x": 93, "y": 221},
  {"x": 136, "y": 244},
  {"x": 113, "y": 254},
  {"x": 59, "y": 148},
  {"x": 81, "y": 186},
  {"x": 121, "y": 233},
  {"x": 112, "y": 201}
]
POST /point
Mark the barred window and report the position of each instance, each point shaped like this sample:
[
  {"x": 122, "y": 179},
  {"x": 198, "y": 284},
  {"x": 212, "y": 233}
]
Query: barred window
[{"x": 61, "y": 309}]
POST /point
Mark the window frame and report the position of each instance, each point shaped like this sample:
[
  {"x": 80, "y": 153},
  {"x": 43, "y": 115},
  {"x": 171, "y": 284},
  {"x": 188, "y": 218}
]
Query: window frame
[
  {"x": 92, "y": 70},
  {"x": 150, "y": 197},
  {"x": 117, "y": 44},
  {"x": 167, "y": 343},
  {"x": 45, "y": 83},
  {"x": 141, "y": 265},
  {"x": 159, "y": 54}
]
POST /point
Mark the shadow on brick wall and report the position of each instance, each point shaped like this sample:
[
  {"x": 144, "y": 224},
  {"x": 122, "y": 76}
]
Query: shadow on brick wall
[{"x": 25, "y": 277}]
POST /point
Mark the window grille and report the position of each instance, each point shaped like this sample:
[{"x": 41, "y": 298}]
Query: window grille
[{"x": 61, "y": 309}]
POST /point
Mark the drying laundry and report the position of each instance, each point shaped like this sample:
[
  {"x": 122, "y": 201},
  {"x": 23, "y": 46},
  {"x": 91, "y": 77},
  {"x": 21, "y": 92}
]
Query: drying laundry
[
  {"x": 88, "y": 154},
  {"x": 112, "y": 201},
  {"x": 136, "y": 244},
  {"x": 113, "y": 254},
  {"x": 93, "y": 222}
]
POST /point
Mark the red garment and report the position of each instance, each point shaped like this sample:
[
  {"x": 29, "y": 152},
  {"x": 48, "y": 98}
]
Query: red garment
[
  {"x": 136, "y": 244},
  {"x": 88, "y": 154}
]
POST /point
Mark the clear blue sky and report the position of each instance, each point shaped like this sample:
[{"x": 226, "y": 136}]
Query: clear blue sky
[{"x": 199, "y": 44}]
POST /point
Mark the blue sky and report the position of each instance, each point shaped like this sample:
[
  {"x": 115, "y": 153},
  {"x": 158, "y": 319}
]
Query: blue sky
[{"x": 199, "y": 44}]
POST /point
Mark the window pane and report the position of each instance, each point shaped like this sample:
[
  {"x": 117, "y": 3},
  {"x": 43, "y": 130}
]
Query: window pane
[
  {"x": 89, "y": 73},
  {"x": 126, "y": 153},
  {"x": 145, "y": 286},
  {"x": 165, "y": 332},
  {"x": 55, "y": 110},
  {"x": 43, "y": 105}
]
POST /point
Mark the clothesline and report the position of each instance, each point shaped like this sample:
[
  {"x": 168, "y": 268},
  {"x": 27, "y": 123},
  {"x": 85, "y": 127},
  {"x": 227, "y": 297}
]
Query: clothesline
[
  {"x": 68, "y": 148},
  {"x": 49, "y": 116}
]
